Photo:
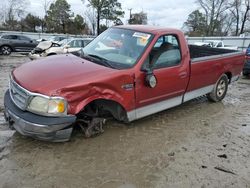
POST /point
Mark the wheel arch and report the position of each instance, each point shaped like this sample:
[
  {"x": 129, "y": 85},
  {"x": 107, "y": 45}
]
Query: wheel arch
[
  {"x": 115, "y": 108},
  {"x": 12, "y": 49},
  {"x": 229, "y": 76},
  {"x": 52, "y": 53}
]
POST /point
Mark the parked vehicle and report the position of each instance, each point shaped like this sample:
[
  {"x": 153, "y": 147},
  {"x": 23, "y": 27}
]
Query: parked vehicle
[
  {"x": 127, "y": 72},
  {"x": 207, "y": 44},
  {"x": 246, "y": 68},
  {"x": 248, "y": 50},
  {"x": 216, "y": 44},
  {"x": 48, "y": 48},
  {"x": 15, "y": 43},
  {"x": 54, "y": 39}
]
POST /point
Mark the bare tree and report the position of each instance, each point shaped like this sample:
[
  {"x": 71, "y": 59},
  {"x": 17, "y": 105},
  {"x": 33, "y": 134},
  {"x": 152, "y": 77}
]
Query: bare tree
[
  {"x": 46, "y": 5},
  {"x": 228, "y": 22},
  {"x": 90, "y": 13},
  {"x": 246, "y": 15},
  {"x": 235, "y": 11},
  {"x": 15, "y": 10},
  {"x": 2, "y": 12},
  {"x": 214, "y": 10}
]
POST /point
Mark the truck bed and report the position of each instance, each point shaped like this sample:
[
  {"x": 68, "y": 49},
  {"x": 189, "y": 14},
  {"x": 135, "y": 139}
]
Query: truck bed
[{"x": 208, "y": 52}]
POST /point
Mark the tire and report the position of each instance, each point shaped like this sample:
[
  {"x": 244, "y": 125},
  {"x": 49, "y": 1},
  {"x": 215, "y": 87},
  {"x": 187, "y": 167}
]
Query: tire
[
  {"x": 5, "y": 50},
  {"x": 245, "y": 74},
  {"x": 220, "y": 89}
]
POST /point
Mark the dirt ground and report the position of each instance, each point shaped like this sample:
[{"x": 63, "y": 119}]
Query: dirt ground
[{"x": 198, "y": 144}]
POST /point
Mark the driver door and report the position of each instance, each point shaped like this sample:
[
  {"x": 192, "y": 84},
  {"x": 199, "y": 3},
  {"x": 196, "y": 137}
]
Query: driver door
[{"x": 171, "y": 71}]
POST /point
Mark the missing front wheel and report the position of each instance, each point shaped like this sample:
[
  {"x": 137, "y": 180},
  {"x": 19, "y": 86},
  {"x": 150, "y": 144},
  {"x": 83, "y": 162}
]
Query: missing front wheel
[{"x": 91, "y": 127}]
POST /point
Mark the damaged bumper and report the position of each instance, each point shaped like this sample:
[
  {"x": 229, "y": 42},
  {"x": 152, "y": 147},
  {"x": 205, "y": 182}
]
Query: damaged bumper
[
  {"x": 55, "y": 129},
  {"x": 34, "y": 56}
]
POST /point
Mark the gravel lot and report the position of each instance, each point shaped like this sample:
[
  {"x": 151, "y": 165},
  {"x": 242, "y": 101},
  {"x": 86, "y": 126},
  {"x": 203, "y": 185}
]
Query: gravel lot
[{"x": 198, "y": 144}]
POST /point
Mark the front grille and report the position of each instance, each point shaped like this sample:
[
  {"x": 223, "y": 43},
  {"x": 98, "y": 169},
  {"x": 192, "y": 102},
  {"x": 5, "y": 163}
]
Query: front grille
[{"x": 19, "y": 95}]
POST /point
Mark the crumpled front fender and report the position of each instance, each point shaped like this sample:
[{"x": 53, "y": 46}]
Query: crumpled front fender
[{"x": 119, "y": 88}]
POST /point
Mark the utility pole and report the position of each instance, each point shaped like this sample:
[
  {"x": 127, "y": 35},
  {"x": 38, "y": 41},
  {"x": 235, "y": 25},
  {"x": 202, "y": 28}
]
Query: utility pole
[{"x": 130, "y": 15}]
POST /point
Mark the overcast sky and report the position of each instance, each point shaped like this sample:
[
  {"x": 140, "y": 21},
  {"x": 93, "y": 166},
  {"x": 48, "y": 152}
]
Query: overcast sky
[{"x": 168, "y": 13}]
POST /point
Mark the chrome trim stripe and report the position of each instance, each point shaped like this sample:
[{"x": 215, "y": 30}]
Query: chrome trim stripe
[
  {"x": 166, "y": 104},
  {"x": 153, "y": 108},
  {"x": 162, "y": 96},
  {"x": 202, "y": 59},
  {"x": 197, "y": 93}
]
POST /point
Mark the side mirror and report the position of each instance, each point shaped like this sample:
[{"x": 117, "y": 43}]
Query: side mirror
[{"x": 150, "y": 79}]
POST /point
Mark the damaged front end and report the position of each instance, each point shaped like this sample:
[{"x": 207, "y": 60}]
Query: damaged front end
[
  {"x": 55, "y": 129},
  {"x": 36, "y": 115},
  {"x": 40, "y": 50}
]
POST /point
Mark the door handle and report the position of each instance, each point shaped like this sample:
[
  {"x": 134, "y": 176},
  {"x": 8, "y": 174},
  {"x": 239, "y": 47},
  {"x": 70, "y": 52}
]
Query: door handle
[{"x": 183, "y": 75}]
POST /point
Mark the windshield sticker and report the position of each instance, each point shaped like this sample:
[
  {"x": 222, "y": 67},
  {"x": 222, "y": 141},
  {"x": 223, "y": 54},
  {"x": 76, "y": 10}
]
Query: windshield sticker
[
  {"x": 142, "y": 38},
  {"x": 142, "y": 41},
  {"x": 141, "y": 35}
]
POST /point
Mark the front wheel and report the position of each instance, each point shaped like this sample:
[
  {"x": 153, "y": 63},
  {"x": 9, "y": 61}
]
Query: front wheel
[
  {"x": 220, "y": 89},
  {"x": 5, "y": 50}
]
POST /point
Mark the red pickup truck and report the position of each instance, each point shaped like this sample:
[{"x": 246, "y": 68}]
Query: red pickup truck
[{"x": 127, "y": 72}]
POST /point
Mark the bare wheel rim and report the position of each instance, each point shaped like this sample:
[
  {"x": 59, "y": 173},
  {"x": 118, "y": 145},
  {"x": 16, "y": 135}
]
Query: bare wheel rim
[
  {"x": 221, "y": 88},
  {"x": 6, "y": 50}
]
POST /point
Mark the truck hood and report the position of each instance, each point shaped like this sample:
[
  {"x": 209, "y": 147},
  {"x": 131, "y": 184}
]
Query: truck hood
[{"x": 50, "y": 75}]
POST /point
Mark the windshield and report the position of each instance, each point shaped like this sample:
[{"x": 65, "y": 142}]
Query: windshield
[
  {"x": 64, "y": 42},
  {"x": 121, "y": 48}
]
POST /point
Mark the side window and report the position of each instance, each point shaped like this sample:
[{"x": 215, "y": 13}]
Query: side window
[
  {"x": 23, "y": 38},
  {"x": 10, "y": 37},
  {"x": 75, "y": 44},
  {"x": 5, "y": 37},
  {"x": 61, "y": 38},
  {"x": 86, "y": 42},
  {"x": 71, "y": 44},
  {"x": 219, "y": 44},
  {"x": 166, "y": 52}
]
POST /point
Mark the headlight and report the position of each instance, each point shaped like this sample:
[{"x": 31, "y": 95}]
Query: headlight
[{"x": 43, "y": 105}]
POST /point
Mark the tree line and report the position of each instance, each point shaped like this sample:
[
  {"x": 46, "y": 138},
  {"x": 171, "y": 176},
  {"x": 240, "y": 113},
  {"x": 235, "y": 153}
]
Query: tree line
[
  {"x": 219, "y": 18},
  {"x": 213, "y": 18},
  {"x": 58, "y": 17}
]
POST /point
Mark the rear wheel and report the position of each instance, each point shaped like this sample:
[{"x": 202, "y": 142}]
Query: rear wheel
[
  {"x": 220, "y": 89},
  {"x": 5, "y": 50}
]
